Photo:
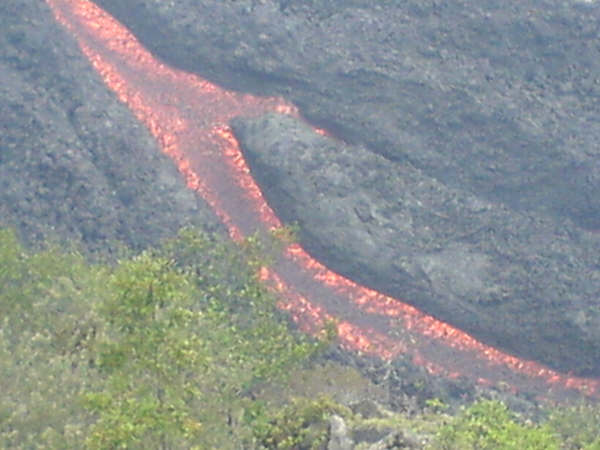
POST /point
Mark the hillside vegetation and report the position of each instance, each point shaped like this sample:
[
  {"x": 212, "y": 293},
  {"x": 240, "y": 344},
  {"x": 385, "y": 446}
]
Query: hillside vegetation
[{"x": 180, "y": 347}]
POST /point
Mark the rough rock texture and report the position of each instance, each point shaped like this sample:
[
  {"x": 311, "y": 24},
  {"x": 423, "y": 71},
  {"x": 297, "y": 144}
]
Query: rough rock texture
[
  {"x": 74, "y": 162},
  {"x": 485, "y": 116},
  {"x": 398, "y": 440},
  {"x": 495, "y": 96},
  {"x": 503, "y": 275},
  {"x": 486, "y": 111},
  {"x": 339, "y": 437}
]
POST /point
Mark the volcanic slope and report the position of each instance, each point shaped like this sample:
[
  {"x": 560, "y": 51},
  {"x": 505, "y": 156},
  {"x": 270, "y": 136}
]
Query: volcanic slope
[
  {"x": 489, "y": 100},
  {"x": 187, "y": 114},
  {"x": 75, "y": 164},
  {"x": 498, "y": 274},
  {"x": 496, "y": 97}
]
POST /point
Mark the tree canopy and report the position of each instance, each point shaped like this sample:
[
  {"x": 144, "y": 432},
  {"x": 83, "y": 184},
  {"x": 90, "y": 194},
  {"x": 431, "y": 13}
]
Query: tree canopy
[{"x": 176, "y": 346}]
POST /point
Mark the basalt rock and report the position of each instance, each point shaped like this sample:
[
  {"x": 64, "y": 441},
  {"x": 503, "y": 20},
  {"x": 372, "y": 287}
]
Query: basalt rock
[
  {"x": 518, "y": 280},
  {"x": 485, "y": 112},
  {"x": 496, "y": 97},
  {"x": 74, "y": 163}
]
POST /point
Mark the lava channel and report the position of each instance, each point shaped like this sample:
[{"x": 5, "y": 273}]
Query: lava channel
[{"x": 189, "y": 118}]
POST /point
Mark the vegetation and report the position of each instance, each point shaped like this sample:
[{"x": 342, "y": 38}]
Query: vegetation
[
  {"x": 149, "y": 353},
  {"x": 491, "y": 425},
  {"x": 181, "y": 347},
  {"x": 578, "y": 426},
  {"x": 300, "y": 424}
]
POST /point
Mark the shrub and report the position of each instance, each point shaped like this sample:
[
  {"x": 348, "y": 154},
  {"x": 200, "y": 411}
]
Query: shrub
[{"x": 490, "y": 424}]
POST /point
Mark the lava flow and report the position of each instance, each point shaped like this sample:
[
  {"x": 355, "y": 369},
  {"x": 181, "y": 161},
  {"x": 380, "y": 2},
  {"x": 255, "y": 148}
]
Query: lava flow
[{"x": 189, "y": 118}]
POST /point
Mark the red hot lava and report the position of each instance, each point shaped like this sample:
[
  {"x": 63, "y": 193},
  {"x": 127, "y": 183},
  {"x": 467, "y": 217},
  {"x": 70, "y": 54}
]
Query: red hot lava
[{"x": 189, "y": 118}]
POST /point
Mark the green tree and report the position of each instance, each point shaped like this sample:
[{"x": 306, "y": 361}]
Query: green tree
[
  {"x": 184, "y": 346},
  {"x": 46, "y": 327},
  {"x": 162, "y": 350},
  {"x": 152, "y": 358}
]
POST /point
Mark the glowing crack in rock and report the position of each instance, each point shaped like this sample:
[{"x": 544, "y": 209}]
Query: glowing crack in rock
[{"x": 189, "y": 117}]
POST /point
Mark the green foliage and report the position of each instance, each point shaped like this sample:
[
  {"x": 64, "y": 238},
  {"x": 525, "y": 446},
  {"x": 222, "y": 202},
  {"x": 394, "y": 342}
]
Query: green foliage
[
  {"x": 161, "y": 351},
  {"x": 491, "y": 425},
  {"x": 226, "y": 276},
  {"x": 151, "y": 356},
  {"x": 46, "y": 331},
  {"x": 186, "y": 343},
  {"x": 174, "y": 347},
  {"x": 435, "y": 404},
  {"x": 301, "y": 424},
  {"x": 578, "y": 426}
]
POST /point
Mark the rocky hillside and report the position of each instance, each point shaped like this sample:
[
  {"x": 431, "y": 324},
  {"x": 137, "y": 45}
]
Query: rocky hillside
[
  {"x": 483, "y": 117},
  {"x": 465, "y": 185},
  {"x": 74, "y": 163}
]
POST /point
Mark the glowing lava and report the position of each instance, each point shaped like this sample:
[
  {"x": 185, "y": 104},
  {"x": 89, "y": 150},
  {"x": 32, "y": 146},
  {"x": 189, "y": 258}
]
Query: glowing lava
[{"x": 189, "y": 118}]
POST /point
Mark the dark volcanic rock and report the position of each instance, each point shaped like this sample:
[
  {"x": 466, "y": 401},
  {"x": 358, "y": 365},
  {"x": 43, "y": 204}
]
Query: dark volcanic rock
[
  {"x": 518, "y": 280},
  {"x": 497, "y": 97},
  {"x": 74, "y": 162},
  {"x": 484, "y": 112},
  {"x": 495, "y": 102}
]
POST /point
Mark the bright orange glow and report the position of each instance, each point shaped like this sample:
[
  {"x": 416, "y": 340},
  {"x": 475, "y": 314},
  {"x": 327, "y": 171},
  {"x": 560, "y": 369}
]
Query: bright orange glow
[
  {"x": 312, "y": 319},
  {"x": 189, "y": 117}
]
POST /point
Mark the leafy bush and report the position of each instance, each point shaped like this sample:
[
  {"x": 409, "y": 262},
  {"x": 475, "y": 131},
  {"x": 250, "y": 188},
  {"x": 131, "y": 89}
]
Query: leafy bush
[
  {"x": 491, "y": 425},
  {"x": 162, "y": 350},
  {"x": 303, "y": 423},
  {"x": 578, "y": 426},
  {"x": 46, "y": 330}
]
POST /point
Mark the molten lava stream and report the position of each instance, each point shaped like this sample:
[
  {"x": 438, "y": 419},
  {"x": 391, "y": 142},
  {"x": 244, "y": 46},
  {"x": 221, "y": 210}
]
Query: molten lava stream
[{"x": 188, "y": 116}]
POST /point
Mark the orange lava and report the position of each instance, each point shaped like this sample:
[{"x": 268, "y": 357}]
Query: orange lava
[
  {"x": 189, "y": 118},
  {"x": 312, "y": 319}
]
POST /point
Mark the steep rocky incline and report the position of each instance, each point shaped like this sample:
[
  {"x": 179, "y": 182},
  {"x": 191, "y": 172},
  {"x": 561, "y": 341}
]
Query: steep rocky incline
[
  {"x": 516, "y": 280},
  {"x": 470, "y": 188},
  {"x": 495, "y": 96},
  {"x": 485, "y": 112},
  {"x": 74, "y": 162}
]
